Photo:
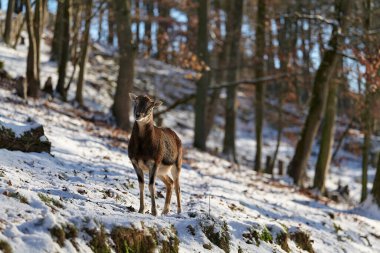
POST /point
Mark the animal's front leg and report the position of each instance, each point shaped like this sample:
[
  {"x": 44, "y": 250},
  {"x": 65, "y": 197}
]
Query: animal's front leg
[
  {"x": 152, "y": 187},
  {"x": 140, "y": 178}
]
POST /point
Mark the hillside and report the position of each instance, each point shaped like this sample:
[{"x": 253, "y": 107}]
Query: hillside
[{"x": 83, "y": 197}]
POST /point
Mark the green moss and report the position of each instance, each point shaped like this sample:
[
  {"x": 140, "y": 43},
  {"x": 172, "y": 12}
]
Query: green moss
[
  {"x": 50, "y": 201},
  {"x": 98, "y": 242},
  {"x": 266, "y": 236},
  {"x": 5, "y": 247},
  {"x": 302, "y": 239},
  {"x": 221, "y": 238}
]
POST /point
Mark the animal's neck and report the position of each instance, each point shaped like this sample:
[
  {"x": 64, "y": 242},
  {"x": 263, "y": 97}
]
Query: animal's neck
[{"x": 145, "y": 125}]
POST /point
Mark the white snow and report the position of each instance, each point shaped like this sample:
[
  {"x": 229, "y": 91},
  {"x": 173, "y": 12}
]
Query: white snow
[{"x": 89, "y": 173}]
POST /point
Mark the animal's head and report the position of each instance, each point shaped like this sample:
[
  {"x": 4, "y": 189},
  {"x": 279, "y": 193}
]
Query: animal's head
[{"x": 143, "y": 107}]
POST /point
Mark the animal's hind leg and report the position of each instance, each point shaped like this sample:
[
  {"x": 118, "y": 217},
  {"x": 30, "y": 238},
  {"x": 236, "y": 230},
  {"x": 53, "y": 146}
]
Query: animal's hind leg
[
  {"x": 175, "y": 173},
  {"x": 169, "y": 188}
]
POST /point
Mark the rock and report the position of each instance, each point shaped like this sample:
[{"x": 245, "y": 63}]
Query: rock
[{"x": 28, "y": 137}]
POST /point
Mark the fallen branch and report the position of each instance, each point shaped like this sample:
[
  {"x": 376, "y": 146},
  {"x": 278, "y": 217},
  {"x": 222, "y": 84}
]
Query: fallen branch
[{"x": 177, "y": 103}]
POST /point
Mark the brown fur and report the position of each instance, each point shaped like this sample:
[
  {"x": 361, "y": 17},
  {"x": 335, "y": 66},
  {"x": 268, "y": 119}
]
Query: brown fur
[{"x": 156, "y": 150}]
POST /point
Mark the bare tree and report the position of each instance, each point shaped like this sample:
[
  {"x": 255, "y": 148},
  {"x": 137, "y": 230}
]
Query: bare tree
[
  {"x": 61, "y": 88},
  {"x": 259, "y": 72},
  {"x": 84, "y": 52},
  {"x": 121, "y": 106},
  {"x": 32, "y": 74},
  {"x": 204, "y": 81},
  {"x": 9, "y": 22},
  {"x": 234, "y": 21},
  {"x": 297, "y": 166}
]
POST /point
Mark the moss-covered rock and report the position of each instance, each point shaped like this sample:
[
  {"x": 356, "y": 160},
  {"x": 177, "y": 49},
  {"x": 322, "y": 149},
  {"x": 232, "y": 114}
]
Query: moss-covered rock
[
  {"x": 217, "y": 232},
  {"x": 302, "y": 240},
  {"x": 64, "y": 232},
  {"x": 29, "y": 138},
  {"x": 98, "y": 242},
  {"x": 129, "y": 239}
]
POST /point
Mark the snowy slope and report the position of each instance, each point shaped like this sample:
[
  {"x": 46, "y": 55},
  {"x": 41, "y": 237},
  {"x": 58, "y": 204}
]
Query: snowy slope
[{"x": 88, "y": 182}]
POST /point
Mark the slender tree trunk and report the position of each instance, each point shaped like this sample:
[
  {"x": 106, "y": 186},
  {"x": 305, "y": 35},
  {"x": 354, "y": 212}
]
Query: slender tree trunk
[
  {"x": 9, "y": 22},
  {"x": 121, "y": 106},
  {"x": 38, "y": 27},
  {"x": 217, "y": 75},
  {"x": 100, "y": 25},
  {"x": 298, "y": 164},
  {"x": 137, "y": 14},
  {"x": 57, "y": 36},
  {"x": 367, "y": 144},
  {"x": 84, "y": 54},
  {"x": 32, "y": 75},
  {"x": 148, "y": 25},
  {"x": 260, "y": 88},
  {"x": 111, "y": 23},
  {"x": 204, "y": 81},
  {"x": 328, "y": 130},
  {"x": 162, "y": 33},
  {"x": 234, "y": 21},
  {"x": 64, "y": 51},
  {"x": 376, "y": 184}
]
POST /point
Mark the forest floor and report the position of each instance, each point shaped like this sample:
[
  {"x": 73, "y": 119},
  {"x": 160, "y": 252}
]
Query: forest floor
[{"x": 85, "y": 193}]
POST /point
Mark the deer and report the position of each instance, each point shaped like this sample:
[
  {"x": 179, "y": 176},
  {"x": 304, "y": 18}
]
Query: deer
[{"x": 156, "y": 151}]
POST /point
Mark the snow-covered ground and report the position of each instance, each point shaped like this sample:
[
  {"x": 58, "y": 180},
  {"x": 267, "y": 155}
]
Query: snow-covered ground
[{"x": 88, "y": 183}]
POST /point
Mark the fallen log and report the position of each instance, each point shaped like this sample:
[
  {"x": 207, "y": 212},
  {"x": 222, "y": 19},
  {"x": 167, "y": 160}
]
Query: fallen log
[{"x": 29, "y": 137}]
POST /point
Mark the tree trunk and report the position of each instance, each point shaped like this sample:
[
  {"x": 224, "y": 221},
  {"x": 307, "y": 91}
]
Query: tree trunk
[
  {"x": 204, "y": 81},
  {"x": 38, "y": 27},
  {"x": 111, "y": 23},
  {"x": 217, "y": 75},
  {"x": 298, "y": 164},
  {"x": 84, "y": 54},
  {"x": 137, "y": 15},
  {"x": 64, "y": 51},
  {"x": 260, "y": 88},
  {"x": 234, "y": 21},
  {"x": 162, "y": 33},
  {"x": 121, "y": 106},
  {"x": 100, "y": 25},
  {"x": 148, "y": 25},
  {"x": 376, "y": 184},
  {"x": 328, "y": 130},
  {"x": 9, "y": 22},
  {"x": 57, "y": 36},
  {"x": 32, "y": 75}
]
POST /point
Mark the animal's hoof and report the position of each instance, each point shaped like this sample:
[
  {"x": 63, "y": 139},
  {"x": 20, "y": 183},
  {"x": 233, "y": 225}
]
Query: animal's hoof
[
  {"x": 154, "y": 212},
  {"x": 166, "y": 211},
  {"x": 141, "y": 210},
  {"x": 179, "y": 210}
]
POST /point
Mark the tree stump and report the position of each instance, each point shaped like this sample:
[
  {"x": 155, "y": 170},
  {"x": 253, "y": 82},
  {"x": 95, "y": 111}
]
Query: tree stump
[
  {"x": 281, "y": 170},
  {"x": 27, "y": 138}
]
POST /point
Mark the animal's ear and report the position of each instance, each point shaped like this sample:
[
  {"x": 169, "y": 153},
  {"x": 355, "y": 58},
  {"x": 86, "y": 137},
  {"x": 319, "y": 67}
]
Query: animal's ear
[
  {"x": 157, "y": 103},
  {"x": 132, "y": 96}
]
